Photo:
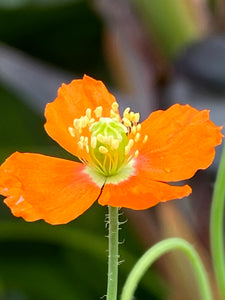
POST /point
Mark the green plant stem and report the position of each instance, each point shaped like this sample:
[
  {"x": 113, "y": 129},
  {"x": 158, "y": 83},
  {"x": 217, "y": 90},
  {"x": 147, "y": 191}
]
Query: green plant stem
[
  {"x": 113, "y": 224},
  {"x": 154, "y": 253},
  {"x": 216, "y": 226}
]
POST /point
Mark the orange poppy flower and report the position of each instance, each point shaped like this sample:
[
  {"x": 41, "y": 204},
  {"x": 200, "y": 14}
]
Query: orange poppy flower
[{"x": 123, "y": 163}]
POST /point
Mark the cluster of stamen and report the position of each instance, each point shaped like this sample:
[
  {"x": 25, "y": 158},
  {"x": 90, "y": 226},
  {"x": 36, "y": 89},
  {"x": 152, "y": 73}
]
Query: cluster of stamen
[
  {"x": 109, "y": 141},
  {"x": 130, "y": 120}
]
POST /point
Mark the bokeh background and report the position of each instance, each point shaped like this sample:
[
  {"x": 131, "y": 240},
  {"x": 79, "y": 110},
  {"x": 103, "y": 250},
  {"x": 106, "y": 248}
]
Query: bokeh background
[{"x": 150, "y": 54}]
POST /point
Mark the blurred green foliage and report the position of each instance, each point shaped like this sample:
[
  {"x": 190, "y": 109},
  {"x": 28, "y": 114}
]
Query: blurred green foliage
[
  {"x": 66, "y": 35},
  {"x": 20, "y": 127},
  {"x": 171, "y": 23}
]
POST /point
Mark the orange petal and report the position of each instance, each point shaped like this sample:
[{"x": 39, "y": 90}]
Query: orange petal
[
  {"x": 72, "y": 102},
  {"x": 181, "y": 140},
  {"x": 42, "y": 187},
  {"x": 140, "y": 191}
]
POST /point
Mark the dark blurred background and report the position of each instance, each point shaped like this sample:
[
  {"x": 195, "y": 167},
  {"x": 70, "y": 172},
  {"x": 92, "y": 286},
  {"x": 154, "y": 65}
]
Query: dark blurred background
[{"x": 150, "y": 54}]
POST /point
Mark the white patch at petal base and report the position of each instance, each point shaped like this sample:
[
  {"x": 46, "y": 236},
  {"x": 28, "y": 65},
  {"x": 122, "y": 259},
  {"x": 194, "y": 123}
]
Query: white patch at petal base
[{"x": 124, "y": 173}]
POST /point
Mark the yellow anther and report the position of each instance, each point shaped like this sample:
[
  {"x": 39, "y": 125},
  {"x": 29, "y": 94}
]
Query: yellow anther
[
  {"x": 126, "y": 122},
  {"x": 126, "y": 112},
  {"x": 80, "y": 145},
  {"x": 127, "y": 150},
  {"x": 115, "y": 144},
  {"x": 131, "y": 116},
  {"x": 93, "y": 142},
  {"x": 136, "y": 153},
  {"x": 71, "y": 131},
  {"x": 87, "y": 148},
  {"x": 103, "y": 150},
  {"x": 84, "y": 121},
  {"x": 137, "y": 137},
  {"x": 81, "y": 122},
  {"x": 76, "y": 123},
  {"x": 101, "y": 138},
  {"x": 138, "y": 127},
  {"x": 131, "y": 143},
  {"x": 145, "y": 139},
  {"x": 80, "y": 130},
  {"x": 115, "y": 106},
  {"x": 86, "y": 140},
  {"x": 113, "y": 114},
  {"x": 136, "y": 117},
  {"x": 116, "y": 118},
  {"x": 133, "y": 129},
  {"x": 91, "y": 121},
  {"x": 98, "y": 112},
  {"x": 82, "y": 139},
  {"x": 129, "y": 146},
  {"x": 88, "y": 113}
]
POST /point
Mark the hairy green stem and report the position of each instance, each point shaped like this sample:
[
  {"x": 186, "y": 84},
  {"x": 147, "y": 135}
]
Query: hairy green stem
[
  {"x": 154, "y": 253},
  {"x": 216, "y": 226},
  {"x": 113, "y": 224}
]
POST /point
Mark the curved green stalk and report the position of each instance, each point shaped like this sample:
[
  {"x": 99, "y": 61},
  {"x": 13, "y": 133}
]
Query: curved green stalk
[
  {"x": 216, "y": 226},
  {"x": 113, "y": 253},
  {"x": 154, "y": 253}
]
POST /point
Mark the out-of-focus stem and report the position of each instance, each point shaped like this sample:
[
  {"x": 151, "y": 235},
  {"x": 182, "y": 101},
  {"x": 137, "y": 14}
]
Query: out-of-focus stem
[
  {"x": 170, "y": 22},
  {"x": 217, "y": 225}
]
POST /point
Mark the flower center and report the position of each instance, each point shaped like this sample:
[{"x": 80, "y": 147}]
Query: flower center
[
  {"x": 108, "y": 145},
  {"x": 107, "y": 148}
]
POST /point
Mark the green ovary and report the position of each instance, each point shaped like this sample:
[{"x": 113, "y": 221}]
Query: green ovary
[{"x": 107, "y": 149}]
